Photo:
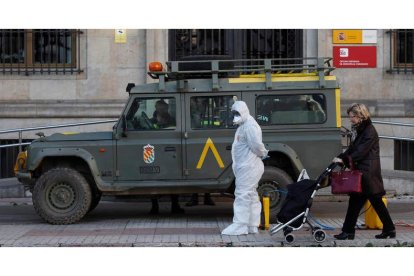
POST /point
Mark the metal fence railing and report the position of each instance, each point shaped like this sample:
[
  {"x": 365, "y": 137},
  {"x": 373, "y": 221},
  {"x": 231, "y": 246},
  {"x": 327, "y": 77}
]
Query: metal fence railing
[
  {"x": 403, "y": 147},
  {"x": 394, "y": 124},
  {"x": 21, "y": 130},
  {"x": 10, "y": 147}
]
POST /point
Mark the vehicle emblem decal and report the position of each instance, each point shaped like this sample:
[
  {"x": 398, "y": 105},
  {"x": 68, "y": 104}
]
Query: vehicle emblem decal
[
  {"x": 210, "y": 145},
  {"x": 149, "y": 154}
]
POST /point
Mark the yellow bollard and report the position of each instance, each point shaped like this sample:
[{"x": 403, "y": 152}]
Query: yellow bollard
[
  {"x": 266, "y": 211},
  {"x": 372, "y": 220}
]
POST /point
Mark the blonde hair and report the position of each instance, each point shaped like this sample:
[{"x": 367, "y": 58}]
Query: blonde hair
[{"x": 359, "y": 110}]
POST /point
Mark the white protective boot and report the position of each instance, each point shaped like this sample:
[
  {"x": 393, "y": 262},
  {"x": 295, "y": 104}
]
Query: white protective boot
[
  {"x": 235, "y": 229},
  {"x": 253, "y": 230}
]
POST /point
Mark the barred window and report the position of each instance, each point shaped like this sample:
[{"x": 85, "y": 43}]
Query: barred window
[
  {"x": 402, "y": 51},
  {"x": 403, "y": 155},
  {"x": 39, "y": 51},
  {"x": 199, "y": 44},
  {"x": 195, "y": 43}
]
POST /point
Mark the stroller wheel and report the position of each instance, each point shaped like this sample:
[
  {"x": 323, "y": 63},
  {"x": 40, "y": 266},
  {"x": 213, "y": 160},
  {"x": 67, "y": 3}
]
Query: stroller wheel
[
  {"x": 316, "y": 228},
  {"x": 289, "y": 238},
  {"x": 319, "y": 235}
]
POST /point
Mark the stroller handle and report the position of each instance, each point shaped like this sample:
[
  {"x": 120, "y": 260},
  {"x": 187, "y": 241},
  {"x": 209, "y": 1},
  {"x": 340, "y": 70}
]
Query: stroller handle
[
  {"x": 328, "y": 170},
  {"x": 333, "y": 165}
]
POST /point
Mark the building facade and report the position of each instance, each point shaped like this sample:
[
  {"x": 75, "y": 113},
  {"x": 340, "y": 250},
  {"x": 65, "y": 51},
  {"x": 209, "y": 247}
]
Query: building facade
[{"x": 50, "y": 77}]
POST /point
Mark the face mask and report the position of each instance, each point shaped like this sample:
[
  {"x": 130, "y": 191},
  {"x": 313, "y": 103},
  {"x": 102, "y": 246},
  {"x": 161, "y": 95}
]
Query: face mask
[{"x": 237, "y": 120}]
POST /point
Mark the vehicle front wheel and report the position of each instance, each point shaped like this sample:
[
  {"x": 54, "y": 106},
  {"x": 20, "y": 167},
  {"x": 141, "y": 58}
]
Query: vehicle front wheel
[
  {"x": 62, "y": 196},
  {"x": 274, "y": 183}
]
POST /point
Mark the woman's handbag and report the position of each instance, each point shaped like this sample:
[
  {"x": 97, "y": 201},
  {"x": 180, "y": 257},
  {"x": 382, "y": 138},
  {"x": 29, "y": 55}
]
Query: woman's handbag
[{"x": 345, "y": 182}]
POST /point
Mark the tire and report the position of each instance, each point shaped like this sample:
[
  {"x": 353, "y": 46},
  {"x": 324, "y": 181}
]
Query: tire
[
  {"x": 274, "y": 179},
  {"x": 96, "y": 194},
  {"x": 96, "y": 197},
  {"x": 62, "y": 196}
]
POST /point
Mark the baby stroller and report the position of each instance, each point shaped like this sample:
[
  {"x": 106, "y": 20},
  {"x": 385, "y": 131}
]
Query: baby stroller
[{"x": 294, "y": 212}]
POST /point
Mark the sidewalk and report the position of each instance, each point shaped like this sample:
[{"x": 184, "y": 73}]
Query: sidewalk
[{"x": 123, "y": 224}]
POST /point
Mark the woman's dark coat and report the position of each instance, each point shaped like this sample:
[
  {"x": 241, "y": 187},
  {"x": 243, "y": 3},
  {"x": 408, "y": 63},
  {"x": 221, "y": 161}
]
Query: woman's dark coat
[{"x": 365, "y": 154}]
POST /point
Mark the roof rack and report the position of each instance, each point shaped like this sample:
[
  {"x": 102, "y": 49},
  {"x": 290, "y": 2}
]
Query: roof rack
[{"x": 215, "y": 69}]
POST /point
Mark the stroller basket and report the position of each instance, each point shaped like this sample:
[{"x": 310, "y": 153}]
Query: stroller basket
[
  {"x": 294, "y": 211},
  {"x": 297, "y": 199}
]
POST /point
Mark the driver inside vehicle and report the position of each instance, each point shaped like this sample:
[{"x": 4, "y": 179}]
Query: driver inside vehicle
[{"x": 161, "y": 118}]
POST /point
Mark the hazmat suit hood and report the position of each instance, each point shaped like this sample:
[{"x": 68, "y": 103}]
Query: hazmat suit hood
[{"x": 242, "y": 108}]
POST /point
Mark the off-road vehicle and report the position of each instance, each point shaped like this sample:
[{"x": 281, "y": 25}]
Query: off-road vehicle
[{"x": 174, "y": 136}]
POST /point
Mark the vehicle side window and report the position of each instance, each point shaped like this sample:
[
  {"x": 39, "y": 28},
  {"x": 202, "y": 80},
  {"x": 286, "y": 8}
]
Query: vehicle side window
[
  {"x": 151, "y": 114},
  {"x": 211, "y": 112},
  {"x": 291, "y": 109}
]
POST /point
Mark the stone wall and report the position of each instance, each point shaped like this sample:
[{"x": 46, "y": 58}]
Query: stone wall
[{"x": 99, "y": 92}]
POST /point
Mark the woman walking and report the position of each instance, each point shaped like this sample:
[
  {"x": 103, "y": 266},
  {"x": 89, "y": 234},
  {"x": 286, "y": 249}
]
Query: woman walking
[{"x": 364, "y": 153}]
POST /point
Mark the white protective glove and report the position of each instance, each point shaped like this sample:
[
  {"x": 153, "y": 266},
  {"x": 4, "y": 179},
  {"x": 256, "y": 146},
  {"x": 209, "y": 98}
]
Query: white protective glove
[
  {"x": 265, "y": 157},
  {"x": 337, "y": 160}
]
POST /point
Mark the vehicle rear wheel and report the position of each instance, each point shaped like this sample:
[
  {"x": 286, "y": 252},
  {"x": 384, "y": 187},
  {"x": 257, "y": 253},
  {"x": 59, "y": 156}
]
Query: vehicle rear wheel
[
  {"x": 62, "y": 196},
  {"x": 273, "y": 183}
]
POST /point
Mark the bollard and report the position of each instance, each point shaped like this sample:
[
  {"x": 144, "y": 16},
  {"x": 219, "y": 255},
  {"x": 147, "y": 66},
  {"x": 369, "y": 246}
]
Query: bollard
[
  {"x": 372, "y": 220},
  {"x": 266, "y": 211},
  {"x": 265, "y": 214}
]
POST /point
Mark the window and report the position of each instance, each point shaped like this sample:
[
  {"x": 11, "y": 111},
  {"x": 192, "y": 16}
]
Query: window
[
  {"x": 402, "y": 51},
  {"x": 198, "y": 44},
  {"x": 39, "y": 51},
  {"x": 151, "y": 114},
  {"x": 193, "y": 42},
  {"x": 291, "y": 109},
  {"x": 403, "y": 155},
  {"x": 211, "y": 112}
]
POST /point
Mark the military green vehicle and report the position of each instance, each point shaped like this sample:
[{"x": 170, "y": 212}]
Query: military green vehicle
[{"x": 174, "y": 136}]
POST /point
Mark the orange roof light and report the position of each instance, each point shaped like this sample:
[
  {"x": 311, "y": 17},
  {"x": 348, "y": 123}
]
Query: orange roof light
[{"x": 155, "y": 66}]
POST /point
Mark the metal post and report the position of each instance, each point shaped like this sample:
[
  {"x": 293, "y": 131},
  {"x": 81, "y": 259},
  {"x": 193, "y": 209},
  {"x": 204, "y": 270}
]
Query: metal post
[
  {"x": 20, "y": 140},
  {"x": 266, "y": 207}
]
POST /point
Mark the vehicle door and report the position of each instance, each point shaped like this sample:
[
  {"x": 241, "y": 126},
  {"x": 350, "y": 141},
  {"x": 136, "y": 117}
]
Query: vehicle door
[
  {"x": 152, "y": 147},
  {"x": 209, "y": 133}
]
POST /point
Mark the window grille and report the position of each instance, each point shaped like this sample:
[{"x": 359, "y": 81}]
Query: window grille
[
  {"x": 402, "y": 51},
  {"x": 404, "y": 155},
  {"x": 46, "y": 51},
  {"x": 196, "y": 44}
]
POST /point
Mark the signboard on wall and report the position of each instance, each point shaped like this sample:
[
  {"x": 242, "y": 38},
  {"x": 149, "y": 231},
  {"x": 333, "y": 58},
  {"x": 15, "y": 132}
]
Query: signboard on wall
[
  {"x": 120, "y": 36},
  {"x": 355, "y": 56},
  {"x": 354, "y": 36}
]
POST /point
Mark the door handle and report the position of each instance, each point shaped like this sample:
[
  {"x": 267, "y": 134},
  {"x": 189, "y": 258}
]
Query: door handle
[
  {"x": 169, "y": 149},
  {"x": 228, "y": 147}
]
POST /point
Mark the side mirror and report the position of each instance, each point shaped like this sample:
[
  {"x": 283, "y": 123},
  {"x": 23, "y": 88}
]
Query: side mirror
[{"x": 124, "y": 126}]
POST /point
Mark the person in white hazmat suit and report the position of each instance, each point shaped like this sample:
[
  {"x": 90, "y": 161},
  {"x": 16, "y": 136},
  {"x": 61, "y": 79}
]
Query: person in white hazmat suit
[{"x": 247, "y": 153}]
